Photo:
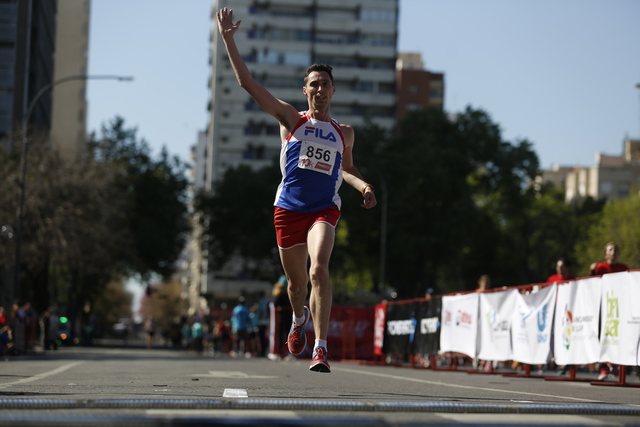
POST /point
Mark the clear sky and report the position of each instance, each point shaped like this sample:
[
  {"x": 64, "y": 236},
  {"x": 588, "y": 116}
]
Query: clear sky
[{"x": 560, "y": 73}]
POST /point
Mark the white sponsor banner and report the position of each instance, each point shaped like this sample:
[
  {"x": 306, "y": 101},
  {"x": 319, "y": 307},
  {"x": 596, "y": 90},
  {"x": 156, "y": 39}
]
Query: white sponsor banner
[
  {"x": 459, "y": 324},
  {"x": 576, "y": 322},
  {"x": 531, "y": 326},
  {"x": 494, "y": 321},
  {"x": 620, "y": 326}
]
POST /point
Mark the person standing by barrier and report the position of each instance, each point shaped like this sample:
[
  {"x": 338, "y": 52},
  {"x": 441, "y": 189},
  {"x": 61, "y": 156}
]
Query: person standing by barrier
[
  {"x": 240, "y": 322},
  {"x": 150, "y": 330},
  {"x": 563, "y": 272},
  {"x": 610, "y": 263},
  {"x": 484, "y": 283},
  {"x": 317, "y": 155}
]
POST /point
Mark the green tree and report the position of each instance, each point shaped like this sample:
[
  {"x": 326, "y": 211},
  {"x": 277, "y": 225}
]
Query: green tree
[
  {"x": 453, "y": 187},
  {"x": 619, "y": 222},
  {"x": 86, "y": 222},
  {"x": 154, "y": 192},
  {"x": 237, "y": 218}
]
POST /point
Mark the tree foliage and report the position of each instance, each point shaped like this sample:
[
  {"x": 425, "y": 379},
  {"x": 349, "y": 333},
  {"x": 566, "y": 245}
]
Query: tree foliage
[
  {"x": 105, "y": 216},
  {"x": 154, "y": 191},
  {"x": 238, "y": 219},
  {"x": 619, "y": 222}
]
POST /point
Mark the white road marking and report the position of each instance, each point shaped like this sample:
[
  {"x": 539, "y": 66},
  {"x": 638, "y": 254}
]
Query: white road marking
[
  {"x": 527, "y": 419},
  {"x": 248, "y": 413},
  {"x": 232, "y": 374},
  {"x": 235, "y": 392},
  {"x": 438, "y": 383},
  {"x": 41, "y": 376}
]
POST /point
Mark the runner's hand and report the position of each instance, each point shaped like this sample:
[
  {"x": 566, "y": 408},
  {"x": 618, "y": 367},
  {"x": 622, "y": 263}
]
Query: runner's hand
[
  {"x": 225, "y": 22},
  {"x": 369, "y": 200}
]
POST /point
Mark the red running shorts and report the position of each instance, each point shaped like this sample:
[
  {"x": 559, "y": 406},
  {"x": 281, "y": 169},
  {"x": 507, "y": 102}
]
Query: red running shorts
[{"x": 292, "y": 227}]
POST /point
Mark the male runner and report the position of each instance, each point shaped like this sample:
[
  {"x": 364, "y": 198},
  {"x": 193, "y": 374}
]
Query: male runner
[{"x": 316, "y": 155}]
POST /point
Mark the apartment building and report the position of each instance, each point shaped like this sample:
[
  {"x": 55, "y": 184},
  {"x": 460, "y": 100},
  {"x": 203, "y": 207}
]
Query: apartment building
[
  {"x": 27, "y": 53},
  {"x": 278, "y": 40},
  {"x": 68, "y": 132},
  {"x": 612, "y": 177},
  {"x": 417, "y": 87}
]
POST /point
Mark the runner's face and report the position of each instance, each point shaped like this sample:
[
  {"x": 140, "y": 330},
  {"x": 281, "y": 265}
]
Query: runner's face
[{"x": 319, "y": 89}]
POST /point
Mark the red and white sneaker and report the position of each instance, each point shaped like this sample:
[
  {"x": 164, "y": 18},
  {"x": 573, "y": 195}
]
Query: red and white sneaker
[
  {"x": 319, "y": 361},
  {"x": 297, "y": 339}
]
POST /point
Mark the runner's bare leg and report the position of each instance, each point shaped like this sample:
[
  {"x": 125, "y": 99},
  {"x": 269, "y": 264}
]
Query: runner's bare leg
[
  {"x": 320, "y": 242},
  {"x": 294, "y": 262}
]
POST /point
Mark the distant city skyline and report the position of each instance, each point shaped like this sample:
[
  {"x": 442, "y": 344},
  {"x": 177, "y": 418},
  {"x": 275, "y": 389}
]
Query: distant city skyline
[{"x": 561, "y": 74}]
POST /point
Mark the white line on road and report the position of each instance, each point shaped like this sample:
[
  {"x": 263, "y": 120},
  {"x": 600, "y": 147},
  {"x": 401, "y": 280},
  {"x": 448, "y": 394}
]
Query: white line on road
[
  {"x": 41, "y": 376},
  {"x": 438, "y": 383}
]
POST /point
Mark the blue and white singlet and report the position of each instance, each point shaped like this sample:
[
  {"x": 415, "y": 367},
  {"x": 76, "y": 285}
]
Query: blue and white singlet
[{"x": 311, "y": 166}]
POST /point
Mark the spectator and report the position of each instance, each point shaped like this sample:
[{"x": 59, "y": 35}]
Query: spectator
[
  {"x": 610, "y": 263},
  {"x": 150, "y": 330},
  {"x": 484, "y": 283},
  {"x": 6, "y": 341},
  {"x": 283, "y": 311},
  {"x": 3, "y": 319},
  {"x": 240, "y": 322},
  {"x": 51, "y": 323},
  {"x": 263, "y": 323},
  {"x": 197, "y": 333},
  {"x": 563, "y": 272},
  {"x": 254, "y": 338},
  {"x": 428, "y": 294}
]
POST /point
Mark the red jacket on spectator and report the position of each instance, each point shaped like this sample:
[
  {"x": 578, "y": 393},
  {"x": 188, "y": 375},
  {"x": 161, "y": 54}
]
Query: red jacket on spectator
[{"x": 604, "y": 268}]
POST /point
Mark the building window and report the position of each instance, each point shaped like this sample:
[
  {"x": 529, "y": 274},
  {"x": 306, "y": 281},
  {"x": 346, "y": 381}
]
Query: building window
[
  {"x": 283, "y": 58},
  {"x": 378, "y": 15},
  {"x": 378, "y": 40},
  {"x": 623, "y": 190},
  {"x": 253, "y": 152},
  {"x": 364, "y": 87},
  {"x": 336, "y": 14}
]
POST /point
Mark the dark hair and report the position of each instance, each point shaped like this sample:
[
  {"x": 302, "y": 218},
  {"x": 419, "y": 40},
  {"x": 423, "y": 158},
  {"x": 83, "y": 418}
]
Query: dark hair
[
  {"x": 614, "y": 244},
  {"x": 318, "y": 67},
  {"x": 565, "y": 261}
]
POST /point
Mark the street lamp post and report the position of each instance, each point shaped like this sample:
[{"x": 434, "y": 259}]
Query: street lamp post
[{"x": 22, "y": 182}]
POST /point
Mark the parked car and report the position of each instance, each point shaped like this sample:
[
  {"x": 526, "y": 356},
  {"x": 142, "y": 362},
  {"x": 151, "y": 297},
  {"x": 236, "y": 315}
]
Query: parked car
[{"x": 123, "y": 328}]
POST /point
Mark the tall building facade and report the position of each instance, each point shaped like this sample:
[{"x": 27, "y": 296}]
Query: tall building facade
[
  {"x": 27, "y": 52},
  {"x": 417, "y": 87},
  {"x": 69, "y": 114},
  {"x": 278, "y": 40}
]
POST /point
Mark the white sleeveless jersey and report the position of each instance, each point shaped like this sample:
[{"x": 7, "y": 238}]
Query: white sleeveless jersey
[{"x": 311, "y": 166}]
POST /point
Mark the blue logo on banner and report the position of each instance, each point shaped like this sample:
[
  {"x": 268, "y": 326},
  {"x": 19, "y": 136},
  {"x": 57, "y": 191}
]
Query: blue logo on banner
[
  {"x": 542, "y": 318},
  {"x": 414, "y": 324}
]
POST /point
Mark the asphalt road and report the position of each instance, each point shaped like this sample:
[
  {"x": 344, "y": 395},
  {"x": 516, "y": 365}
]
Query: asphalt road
[{"x": 132, "y": 386}]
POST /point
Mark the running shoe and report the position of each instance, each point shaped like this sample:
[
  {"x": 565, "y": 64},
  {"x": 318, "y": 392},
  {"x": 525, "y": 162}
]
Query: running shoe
[
  {"x": 297, "y": 339},
  {"x": 319, "y": 361}
]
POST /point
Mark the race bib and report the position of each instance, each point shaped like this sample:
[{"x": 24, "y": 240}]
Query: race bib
[{"x": 317, "y": 157}]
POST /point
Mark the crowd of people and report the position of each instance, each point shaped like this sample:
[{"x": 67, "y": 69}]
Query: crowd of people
[{"x": 22, "y": 330}]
